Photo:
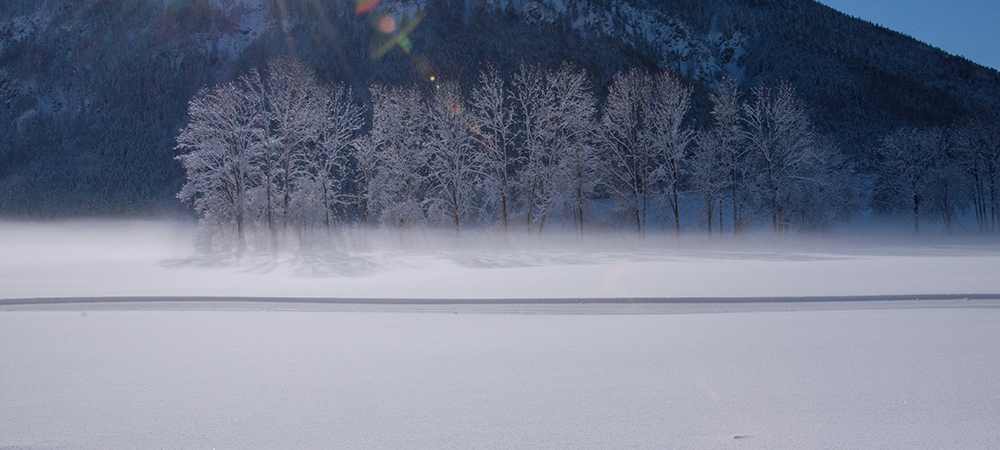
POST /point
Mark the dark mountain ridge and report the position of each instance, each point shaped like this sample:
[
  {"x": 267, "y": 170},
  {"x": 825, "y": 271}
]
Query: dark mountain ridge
[{"x": 93, "y": 92}]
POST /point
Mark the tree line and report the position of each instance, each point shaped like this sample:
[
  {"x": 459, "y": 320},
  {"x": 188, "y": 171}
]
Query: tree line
[
  {"x": 270, "y": 154},
  {"x": 942, "y": 172}
]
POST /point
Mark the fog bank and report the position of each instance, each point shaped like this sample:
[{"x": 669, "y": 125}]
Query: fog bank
[{"x": 136, "y": 259}]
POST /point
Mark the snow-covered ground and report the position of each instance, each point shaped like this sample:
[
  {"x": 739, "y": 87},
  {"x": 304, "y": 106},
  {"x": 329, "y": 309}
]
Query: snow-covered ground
[
  {"x": 273, "y": 368},
  {"x": 190, "y": 377},
  {"x": 97, "y": 259}
]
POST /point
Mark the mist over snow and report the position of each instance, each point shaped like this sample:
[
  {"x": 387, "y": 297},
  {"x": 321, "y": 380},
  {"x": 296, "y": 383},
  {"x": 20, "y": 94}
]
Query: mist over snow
[{"x": 151, "y": 259}]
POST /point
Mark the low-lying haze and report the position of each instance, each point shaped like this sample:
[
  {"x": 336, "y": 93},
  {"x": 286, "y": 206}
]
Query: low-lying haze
[{"x": 159, "y": 259}]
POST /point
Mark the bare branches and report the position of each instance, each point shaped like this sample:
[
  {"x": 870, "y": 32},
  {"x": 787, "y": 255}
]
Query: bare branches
[
  {"x": 268, "y": 151},
  {"x": 281, "y": 152}
]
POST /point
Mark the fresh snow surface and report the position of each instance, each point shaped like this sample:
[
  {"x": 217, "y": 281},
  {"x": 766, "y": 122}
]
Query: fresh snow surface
[
  {"x": 187, "y": 376},
  {"x": 158, "y": 259},
  {"x": 80, "y": 370}
]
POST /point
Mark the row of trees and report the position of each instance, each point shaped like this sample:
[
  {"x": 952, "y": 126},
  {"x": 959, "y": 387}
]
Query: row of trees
[{"x": 282, "y": 152}]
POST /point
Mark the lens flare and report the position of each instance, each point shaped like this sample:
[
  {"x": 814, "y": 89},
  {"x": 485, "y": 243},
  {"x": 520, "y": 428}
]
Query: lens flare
[
  {"x": 387, "y": 25},
  {"x": 364, "y": 6},
  {"x": 401, "y": 38}
]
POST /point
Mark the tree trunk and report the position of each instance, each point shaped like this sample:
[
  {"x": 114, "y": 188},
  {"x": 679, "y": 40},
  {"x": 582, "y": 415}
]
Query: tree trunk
[
  {"x": 737, "y": 220},
  {"x": 503, "y": 209},
  {"x": 675, "y": 206},
  {"x": 638, "y": 223},
  {"x": 241, "y": 239},
  {"x": 721, "y": 207},
  {"x": 994, "y": 210},
  {"x": 709, "y": 209},
  {"x": 454, "y": 203}
]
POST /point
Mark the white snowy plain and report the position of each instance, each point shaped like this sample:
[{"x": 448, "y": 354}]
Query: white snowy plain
[{"x": 171, "y": 366}]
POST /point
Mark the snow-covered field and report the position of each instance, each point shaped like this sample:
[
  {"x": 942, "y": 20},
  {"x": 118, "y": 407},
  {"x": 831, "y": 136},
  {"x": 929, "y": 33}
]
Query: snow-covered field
[
  {"x": 274, "y": 372},
  {"x": 195, "y": 378}
]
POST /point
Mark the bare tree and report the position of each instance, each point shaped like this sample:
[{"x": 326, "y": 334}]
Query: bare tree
[
  {"x": 826, "y": 190},
  {"x": 708, "y": 174},
  {"x": 365, "y": 157},
  {"x": 398, "y": 134},
  {"x": 573, "y": 142},
  {"x": 669, "y": 104},
  {"x": 532, "y": 109},
  {"x": 326, "y": 161},
  {"x": 452, "y": 173},
  {"x": 948, "y": 193},
  {"x": 295, "y": 112},
  {"x": 221, "y": 137},
  {"x": 493, "y": 132},
  {"x": 977, "y": 144},
  {"x": 906, "y": 162},
  {"x": 779, "y": 135},
  {"x": 631, "y": 162},
  {"x": 646, "y": 142},
  {"x": 734, "y": 154}
]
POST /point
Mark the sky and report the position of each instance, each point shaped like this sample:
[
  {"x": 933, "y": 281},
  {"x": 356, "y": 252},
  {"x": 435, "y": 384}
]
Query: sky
[{"x": 968, "y": 28}]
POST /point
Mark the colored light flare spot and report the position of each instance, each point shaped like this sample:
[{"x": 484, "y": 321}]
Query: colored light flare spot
[
  {"x": 401, "y": 38},
  {"x": 362, "y": 7},
  {"x": 433, "y": 78},
  {"x": 387, "y": 25},
  {"x": 455, "y": 108}
]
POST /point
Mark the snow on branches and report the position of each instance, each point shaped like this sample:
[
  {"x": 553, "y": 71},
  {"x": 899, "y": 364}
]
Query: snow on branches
[
  {"x": 269, "y": 153},
  {"x": 278, "y": 154}
]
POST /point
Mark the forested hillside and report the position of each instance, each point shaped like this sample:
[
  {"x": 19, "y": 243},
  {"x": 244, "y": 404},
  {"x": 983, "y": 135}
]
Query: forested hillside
[{"x": 94, "y": 93}]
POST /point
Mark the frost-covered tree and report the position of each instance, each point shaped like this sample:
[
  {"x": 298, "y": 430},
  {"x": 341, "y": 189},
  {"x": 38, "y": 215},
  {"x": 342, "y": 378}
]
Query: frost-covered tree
[
  {"x": 779, "y": 134},
  {"x": 631, "y": 163},
  {"x": 296, "y": 118},
  {"x": 399, "y": 132},
  {"x": 575, "y": 157},
  {"x": 220, "y": 139},
  {"x": 670, "y": 138},
  {"x": 260, "y": 199},
  {"x": 493, "y": 132},
  {"x": 326, "y": 160},
  {"x": 733, "y": 152},
  {"x": 365, "y": 158},
  {"x": 708, "y": 174},
  {"x": 532, "y": 109},
  {"x": 646, "y": 143},
  {"x": 717, "y": 162},
  {"x": 452, "y": 172}
]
